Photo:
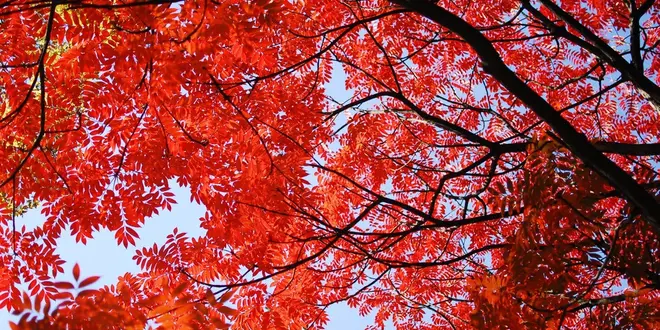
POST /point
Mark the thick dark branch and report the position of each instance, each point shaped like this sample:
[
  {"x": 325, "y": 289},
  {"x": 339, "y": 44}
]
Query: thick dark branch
[
  {"x": 649, "y": 89},
  {"x": 631, "y": 149},
  {"x": 635, "y": 53},
  {"x": 575, "y": 141},
  {"x": 635, "y": 32}
]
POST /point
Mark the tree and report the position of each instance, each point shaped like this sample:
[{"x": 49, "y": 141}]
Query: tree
[{"x": 495, "y": 167}]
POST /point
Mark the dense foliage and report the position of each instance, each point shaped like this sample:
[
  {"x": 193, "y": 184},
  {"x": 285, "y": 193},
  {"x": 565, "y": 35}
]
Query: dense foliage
[{"x": 496, "y": 165}]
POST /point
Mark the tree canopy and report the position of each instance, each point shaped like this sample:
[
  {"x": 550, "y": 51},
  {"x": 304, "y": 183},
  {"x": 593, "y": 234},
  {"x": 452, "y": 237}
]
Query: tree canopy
[{"x": 495, "y": 167}]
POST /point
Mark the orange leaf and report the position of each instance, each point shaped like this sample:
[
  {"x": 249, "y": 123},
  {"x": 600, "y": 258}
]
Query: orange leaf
[
  {"x": 179, "y": 289},
  {"x": 226, "y": 310},
  {"x": 225, "y": 296},
  {"x": 159, "y": 311},
  {"x": 210, "y": 297}
]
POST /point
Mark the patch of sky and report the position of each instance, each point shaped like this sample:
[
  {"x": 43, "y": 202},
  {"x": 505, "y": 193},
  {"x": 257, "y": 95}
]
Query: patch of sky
[
  {"x": 341, "y": 316},
  {"x": 103, "y": 256},
  {"x": 337, "y": 94}
]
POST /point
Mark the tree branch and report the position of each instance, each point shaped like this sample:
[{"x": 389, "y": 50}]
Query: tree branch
[{"x": 575, "y": 141}]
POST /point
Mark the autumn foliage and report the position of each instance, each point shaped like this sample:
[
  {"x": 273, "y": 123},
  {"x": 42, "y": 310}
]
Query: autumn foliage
[{"x": 494, "y": 165}]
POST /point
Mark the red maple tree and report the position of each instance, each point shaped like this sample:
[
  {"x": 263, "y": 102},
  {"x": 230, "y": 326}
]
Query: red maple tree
[{"x": 496, "y": 166}]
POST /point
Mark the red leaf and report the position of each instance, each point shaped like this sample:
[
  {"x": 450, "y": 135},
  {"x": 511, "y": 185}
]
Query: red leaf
[
  {"x": 76, "y": 271},
  {"x": 88, "y": 281},
  {"x": 64, "y": 285}
]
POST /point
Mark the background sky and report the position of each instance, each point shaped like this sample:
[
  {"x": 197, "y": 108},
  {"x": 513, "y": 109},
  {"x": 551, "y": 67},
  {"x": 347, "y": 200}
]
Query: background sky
[{"x": 102, "y": 256}]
